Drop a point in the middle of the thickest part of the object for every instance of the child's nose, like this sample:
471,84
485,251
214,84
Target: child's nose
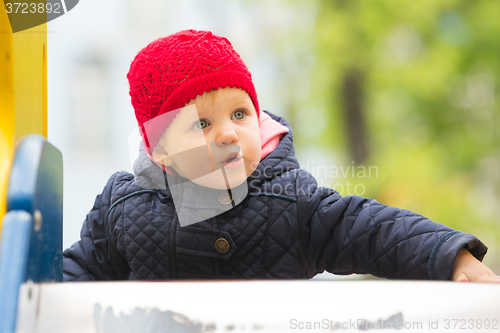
226,135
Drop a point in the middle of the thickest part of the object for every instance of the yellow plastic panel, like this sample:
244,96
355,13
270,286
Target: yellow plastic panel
29,46
23,91
7,104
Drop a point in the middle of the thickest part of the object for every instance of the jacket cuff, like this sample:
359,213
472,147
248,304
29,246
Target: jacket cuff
444,252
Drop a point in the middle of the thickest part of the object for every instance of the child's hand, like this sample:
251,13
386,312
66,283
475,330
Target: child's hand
466,268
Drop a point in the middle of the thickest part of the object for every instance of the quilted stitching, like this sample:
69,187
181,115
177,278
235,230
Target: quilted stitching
407,230
247,229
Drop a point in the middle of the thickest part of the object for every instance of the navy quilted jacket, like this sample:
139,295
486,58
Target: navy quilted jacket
290,230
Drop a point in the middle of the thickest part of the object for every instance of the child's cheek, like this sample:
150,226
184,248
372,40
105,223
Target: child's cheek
191,142
254,158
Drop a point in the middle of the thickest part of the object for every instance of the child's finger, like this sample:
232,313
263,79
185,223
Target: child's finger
461,277
489,279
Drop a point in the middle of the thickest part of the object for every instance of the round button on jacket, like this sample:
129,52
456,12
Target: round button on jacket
225,198
221,245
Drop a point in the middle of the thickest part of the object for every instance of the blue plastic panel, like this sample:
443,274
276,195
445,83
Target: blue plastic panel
35,186
16,233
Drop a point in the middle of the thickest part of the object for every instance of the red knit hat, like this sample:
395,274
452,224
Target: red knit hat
170,71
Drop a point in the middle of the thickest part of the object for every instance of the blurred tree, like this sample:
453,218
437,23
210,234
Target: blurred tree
424,72
412,89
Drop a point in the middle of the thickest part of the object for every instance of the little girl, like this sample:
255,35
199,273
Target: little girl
219,194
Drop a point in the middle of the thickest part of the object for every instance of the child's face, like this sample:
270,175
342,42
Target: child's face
203,139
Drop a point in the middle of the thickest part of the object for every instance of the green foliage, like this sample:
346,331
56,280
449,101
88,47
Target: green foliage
430,95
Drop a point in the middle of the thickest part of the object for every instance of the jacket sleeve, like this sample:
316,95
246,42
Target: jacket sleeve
95,256
352,234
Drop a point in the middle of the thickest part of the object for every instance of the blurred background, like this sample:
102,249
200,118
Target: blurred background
389,100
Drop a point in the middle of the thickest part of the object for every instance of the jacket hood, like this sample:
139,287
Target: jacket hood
148,175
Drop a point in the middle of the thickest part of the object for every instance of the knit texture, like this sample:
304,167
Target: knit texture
170,71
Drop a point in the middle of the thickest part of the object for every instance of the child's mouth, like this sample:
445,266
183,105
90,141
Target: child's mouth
233,161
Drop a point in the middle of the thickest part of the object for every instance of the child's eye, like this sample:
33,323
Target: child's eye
200,124
239,114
